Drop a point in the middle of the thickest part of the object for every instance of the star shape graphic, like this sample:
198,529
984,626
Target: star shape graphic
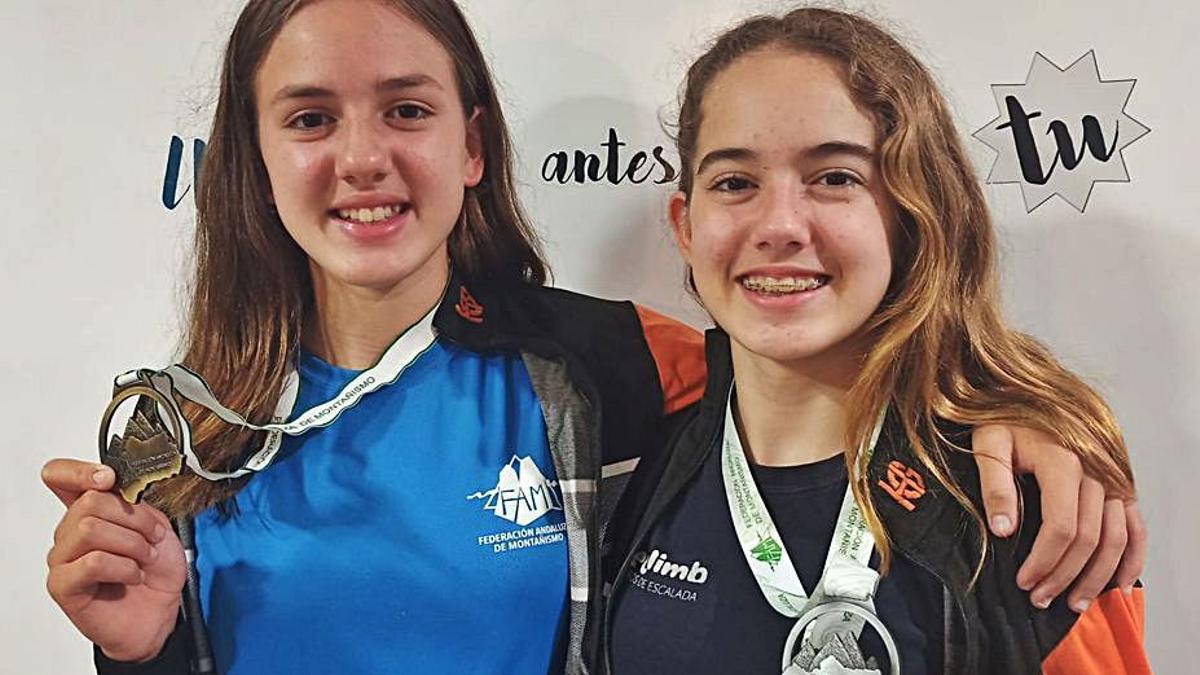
1064,98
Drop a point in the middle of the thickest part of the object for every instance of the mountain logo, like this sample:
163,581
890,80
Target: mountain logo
522,493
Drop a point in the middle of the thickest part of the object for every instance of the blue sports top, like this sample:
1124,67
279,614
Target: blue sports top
421,532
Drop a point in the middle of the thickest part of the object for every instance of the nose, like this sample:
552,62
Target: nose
786,221
363,161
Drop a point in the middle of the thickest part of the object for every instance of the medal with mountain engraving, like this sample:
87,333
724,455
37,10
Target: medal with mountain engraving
148,451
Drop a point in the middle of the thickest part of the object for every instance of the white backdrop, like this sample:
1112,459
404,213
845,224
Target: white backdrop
94,90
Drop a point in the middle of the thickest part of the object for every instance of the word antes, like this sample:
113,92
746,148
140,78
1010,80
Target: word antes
582,167
613,166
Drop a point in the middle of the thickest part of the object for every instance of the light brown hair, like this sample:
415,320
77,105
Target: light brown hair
251,289
941,350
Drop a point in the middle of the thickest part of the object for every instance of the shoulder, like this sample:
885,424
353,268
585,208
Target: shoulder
928,523
608,341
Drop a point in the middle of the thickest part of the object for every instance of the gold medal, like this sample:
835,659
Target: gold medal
148,451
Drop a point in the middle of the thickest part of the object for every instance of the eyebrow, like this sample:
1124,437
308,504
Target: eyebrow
732,154
841,148
383,86
827,149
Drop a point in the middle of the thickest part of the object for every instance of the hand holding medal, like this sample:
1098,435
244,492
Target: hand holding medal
116,569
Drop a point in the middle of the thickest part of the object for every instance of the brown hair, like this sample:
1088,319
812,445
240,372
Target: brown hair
251,287
940,351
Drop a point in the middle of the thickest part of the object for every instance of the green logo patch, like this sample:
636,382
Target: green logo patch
768,551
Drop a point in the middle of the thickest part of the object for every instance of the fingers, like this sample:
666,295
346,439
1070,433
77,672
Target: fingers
1099,570
1076,556
992,445
80,577
1061,482
106,506
68,479
1134,557
95,534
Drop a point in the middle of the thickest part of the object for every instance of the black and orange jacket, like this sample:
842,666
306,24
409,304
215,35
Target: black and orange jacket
992,627
610,378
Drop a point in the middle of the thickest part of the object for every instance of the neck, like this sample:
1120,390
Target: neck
790,414
353,325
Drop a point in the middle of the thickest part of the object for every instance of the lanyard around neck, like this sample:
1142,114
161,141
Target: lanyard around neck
180,380
847,572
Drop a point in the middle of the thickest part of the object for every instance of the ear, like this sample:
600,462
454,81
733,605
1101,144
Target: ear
473,168
681,224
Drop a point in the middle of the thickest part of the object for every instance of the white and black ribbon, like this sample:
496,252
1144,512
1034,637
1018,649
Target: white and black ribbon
847,579
179,380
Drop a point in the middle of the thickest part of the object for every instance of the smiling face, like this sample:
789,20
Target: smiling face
788,227
365,141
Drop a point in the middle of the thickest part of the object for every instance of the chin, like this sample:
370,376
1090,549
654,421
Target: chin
781,349
797,344
376,275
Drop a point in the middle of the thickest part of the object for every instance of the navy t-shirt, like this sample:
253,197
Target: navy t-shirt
716,619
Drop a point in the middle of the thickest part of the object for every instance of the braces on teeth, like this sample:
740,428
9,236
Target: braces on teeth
782,286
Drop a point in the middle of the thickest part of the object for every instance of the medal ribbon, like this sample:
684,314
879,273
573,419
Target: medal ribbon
178,379
847,575
846,565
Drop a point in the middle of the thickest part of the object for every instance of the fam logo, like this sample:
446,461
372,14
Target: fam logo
1061,132
522,493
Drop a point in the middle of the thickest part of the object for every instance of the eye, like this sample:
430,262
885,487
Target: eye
838,179
308,121
732,184
408,111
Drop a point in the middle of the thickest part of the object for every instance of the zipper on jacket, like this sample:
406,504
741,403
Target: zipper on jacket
959,611
646,524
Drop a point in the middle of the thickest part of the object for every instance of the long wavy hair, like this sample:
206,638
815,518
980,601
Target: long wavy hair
940,348
251,288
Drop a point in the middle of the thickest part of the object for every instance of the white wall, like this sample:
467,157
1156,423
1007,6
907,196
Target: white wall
91,267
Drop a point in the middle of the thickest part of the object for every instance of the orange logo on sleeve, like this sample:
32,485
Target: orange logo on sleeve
468,308
905,485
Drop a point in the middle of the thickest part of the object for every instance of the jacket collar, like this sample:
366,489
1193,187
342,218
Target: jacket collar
720,372
476,313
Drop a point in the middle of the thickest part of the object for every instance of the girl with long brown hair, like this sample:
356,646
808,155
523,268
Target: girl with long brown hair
357,226
358,231
835,232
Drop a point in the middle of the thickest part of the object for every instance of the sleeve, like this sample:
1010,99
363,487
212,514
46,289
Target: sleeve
172,660
678,352
1106,640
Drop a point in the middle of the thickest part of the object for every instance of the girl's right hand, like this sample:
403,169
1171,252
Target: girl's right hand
116,569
